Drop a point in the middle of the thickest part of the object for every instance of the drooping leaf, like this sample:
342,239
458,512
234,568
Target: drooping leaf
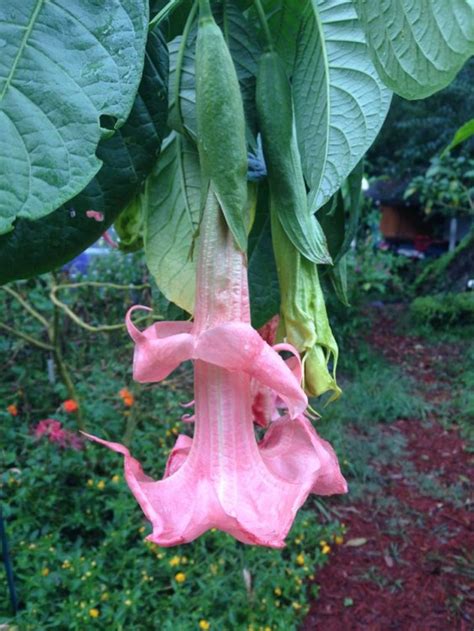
463,133
418,47
340,102
36,247
338,277
172,202
262,273
64,65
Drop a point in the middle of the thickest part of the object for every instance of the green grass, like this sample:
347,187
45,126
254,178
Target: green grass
376,393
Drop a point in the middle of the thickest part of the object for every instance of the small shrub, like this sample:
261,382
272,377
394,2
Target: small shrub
443,310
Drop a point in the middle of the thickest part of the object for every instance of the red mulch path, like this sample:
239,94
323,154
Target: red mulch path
414,573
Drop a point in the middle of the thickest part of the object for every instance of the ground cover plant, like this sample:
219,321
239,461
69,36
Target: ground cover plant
226,139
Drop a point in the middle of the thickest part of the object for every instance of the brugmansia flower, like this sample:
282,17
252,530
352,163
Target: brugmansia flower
222,478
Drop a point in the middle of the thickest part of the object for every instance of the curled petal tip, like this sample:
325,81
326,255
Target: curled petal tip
133,331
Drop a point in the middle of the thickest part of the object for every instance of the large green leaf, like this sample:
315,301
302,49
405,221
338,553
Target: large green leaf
172,203
245,52
340,102
418,47
64,64
35,247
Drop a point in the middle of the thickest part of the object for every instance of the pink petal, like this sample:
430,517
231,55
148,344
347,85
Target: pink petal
236,346
293,450
178,454
160,348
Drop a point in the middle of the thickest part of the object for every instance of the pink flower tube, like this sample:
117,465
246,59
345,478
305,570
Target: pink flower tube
222,478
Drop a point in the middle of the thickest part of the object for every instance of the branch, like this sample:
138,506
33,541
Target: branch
26,306
79,321
26,337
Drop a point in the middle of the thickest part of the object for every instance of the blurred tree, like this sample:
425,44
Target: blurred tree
415,131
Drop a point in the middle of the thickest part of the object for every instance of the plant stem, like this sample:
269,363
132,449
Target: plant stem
26,337
130,428
165,12
61,365
264,24
26,306
75,318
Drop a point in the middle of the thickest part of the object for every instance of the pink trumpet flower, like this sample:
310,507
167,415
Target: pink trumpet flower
222,478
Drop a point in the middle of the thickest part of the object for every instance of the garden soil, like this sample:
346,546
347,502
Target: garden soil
408,557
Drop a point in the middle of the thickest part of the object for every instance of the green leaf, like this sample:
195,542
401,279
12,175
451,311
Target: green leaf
340,216
262,273
340,103
332,219
418,47
352,195
338,276
64,65
36,247
172,200
245,50
463,133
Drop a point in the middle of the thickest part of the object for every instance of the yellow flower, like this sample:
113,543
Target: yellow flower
127,602
101,485
300,559
90,482
296,606
174,561
326,549
45,571
323,543
204,624
66,564
277,591
105,596
116,479
268,629
94,613
339,540
180,577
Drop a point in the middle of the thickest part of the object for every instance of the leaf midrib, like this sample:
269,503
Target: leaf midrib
22,47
